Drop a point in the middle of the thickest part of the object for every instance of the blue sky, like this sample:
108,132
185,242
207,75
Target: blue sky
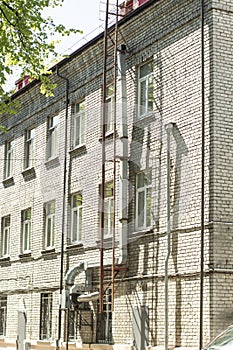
81,14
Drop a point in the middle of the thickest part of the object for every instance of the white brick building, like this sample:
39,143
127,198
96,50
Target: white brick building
51,189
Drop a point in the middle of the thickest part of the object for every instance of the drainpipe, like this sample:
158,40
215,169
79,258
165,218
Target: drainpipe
63,207
123,136
202,169
168,128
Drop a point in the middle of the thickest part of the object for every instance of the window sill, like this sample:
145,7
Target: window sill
145,118
107,242
9,181
45,342
78,149
48,251
5,258
25,255
141,232
74,245
108,135
52,162
29,173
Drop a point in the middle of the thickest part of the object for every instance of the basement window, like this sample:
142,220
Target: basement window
3,313
46,316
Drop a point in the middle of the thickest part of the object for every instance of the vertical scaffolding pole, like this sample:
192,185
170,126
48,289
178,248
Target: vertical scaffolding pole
109,54
114,154
103,160
169,128
202,169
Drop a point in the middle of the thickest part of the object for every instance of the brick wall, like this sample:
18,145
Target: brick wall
167,33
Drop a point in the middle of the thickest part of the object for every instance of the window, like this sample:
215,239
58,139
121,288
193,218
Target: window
49,224
108,209
145,89
104,319
6,221
46,316
26,230
9,159
29,148
79,124
74,325
3,314
109,115
143,199
76,218
53,136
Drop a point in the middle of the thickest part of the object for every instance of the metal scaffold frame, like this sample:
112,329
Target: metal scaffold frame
110,54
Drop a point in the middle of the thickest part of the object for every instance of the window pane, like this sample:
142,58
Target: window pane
141,206
147,178
148,207
140,180
80,223
75,225
76,220
150,94
79,123
3,315
46,316
142,97
146,69
109,189
29,151
5,235
9,159
109,107
53,137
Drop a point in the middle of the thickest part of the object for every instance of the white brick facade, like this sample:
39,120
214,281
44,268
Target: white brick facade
168,34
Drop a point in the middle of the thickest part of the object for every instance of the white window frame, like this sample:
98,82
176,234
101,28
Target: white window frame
46,316
26,230
49,225
6,228
109,108
3,312
74,325
53,123
29,148
146,189
9,159
108,210
144,107
79,124
76,219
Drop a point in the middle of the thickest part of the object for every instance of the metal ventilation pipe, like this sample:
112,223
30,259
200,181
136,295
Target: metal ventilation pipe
169,128
123,135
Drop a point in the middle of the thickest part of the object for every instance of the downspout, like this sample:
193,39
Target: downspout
63,207
169,128
202,169
123,180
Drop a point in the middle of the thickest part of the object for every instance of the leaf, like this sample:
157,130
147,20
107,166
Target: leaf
24,43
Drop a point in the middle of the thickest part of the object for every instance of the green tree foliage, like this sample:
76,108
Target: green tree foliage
27,42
